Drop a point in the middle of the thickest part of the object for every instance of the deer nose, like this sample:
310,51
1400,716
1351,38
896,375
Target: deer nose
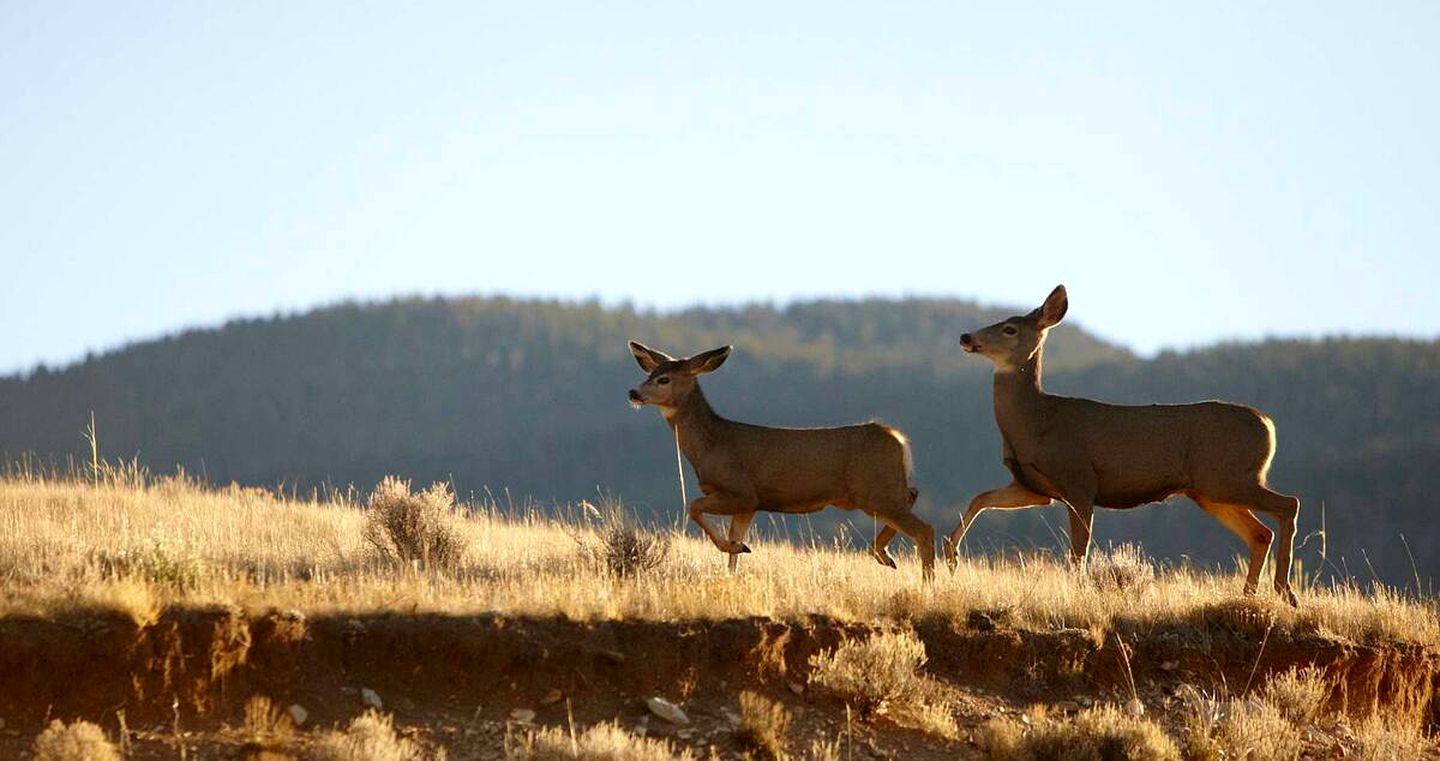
965,339
635,396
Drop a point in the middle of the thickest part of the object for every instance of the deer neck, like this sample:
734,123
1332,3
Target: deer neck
695,424
1020,405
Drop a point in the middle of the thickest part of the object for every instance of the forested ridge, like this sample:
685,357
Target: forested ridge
529,396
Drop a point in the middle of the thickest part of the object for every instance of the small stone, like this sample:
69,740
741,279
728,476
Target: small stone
666,710
1087,702
685,734
522,715
298,714
371,698
797,688
1169,665
1025,719
1135,708
551,697
731,718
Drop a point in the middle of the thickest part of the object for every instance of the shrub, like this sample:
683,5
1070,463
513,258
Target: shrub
1299,694
763,725
159,564
1382,740
622,549
370,737
77,741
414,528
266,727
880,675
1099,733
1257,730
602,742
1123,568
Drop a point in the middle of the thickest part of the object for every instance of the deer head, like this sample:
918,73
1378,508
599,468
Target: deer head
1014,341
671,381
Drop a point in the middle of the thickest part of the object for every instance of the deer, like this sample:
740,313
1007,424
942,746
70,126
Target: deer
1087,454
745,468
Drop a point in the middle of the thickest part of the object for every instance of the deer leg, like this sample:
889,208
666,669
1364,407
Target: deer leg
1082,516
739,524
720,504
1286,510
1244,524
878,548
1008,497
923,536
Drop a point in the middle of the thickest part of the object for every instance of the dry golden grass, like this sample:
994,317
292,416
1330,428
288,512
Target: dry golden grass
139,544
602,742
882,675
763,726
1100,733
370,737
76,741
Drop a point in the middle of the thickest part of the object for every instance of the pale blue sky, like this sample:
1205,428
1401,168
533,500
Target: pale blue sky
1192,174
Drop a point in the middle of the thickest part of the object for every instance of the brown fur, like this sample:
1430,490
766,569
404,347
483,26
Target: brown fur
745,468
1086,453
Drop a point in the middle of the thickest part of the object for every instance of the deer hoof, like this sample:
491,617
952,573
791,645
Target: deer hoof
744,548
1288,595
883,558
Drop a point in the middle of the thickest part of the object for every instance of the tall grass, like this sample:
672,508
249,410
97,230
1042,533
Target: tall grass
141,542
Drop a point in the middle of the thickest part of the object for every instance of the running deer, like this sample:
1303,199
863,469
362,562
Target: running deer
744,468
1084,453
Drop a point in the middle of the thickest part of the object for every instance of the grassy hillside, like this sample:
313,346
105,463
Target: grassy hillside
175,614
526,398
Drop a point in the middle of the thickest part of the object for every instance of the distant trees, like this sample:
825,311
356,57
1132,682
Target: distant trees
528,396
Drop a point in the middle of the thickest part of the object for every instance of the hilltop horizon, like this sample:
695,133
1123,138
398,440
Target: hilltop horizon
641,308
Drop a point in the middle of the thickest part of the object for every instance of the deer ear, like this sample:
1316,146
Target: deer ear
708,361
648,358
1053,310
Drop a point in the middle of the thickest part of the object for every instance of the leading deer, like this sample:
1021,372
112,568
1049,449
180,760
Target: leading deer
744,468
1084,453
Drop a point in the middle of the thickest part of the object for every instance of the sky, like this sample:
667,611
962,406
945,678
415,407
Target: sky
1191,174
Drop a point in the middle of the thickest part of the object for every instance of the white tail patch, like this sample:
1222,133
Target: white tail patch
905,455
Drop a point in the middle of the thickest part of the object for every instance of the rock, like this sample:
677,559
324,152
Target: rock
797,688
1135,708
685,734
1169,665
666,710
371,698
522,715
298,714
551,697
731,718
1087,702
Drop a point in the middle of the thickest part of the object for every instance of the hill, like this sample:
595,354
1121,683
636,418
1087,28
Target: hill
526,398
208,622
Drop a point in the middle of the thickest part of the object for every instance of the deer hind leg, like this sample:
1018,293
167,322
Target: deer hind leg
720,503
879,548
1008,497
1256,535
1286,511
739,524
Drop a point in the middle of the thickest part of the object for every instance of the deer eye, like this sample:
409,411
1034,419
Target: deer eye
1009,330
663,380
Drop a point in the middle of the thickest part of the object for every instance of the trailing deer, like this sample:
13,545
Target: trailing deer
1085,453
744,468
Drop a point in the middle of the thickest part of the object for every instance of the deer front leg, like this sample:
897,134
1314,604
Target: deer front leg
721,503
739,524
1007,497
1082,515
879,547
